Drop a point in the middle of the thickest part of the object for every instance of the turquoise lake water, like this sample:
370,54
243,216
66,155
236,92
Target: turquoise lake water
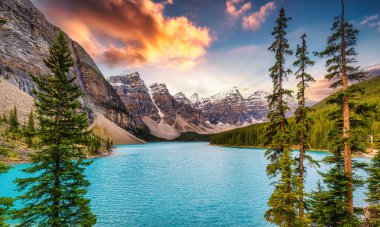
179,184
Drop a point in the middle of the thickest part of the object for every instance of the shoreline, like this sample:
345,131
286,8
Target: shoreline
370,154
27,160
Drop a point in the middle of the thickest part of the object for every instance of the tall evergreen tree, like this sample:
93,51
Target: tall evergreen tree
55,190
109,144
302,63
341,55
30,129
5,203
13,120
373,193
329,205
282,210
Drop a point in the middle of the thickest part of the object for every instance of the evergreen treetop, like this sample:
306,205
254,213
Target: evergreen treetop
333,53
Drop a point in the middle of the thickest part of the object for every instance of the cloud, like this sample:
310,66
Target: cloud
319,90
368,19
208,77
130,32
371,22
236,8
374,70
255,19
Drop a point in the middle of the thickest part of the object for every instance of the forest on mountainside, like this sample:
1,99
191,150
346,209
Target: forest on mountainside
253,135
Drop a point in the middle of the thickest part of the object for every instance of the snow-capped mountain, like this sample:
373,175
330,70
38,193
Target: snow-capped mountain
135,96
257,106
167,116
181,98
225,107
231,108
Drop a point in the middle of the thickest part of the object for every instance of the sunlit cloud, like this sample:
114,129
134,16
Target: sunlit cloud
130,32
255,19
236,8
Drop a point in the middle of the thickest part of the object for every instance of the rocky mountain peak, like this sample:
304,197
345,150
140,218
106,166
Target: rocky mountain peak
194,97
135,96
131,81
159,88
181,98
259,96
232,95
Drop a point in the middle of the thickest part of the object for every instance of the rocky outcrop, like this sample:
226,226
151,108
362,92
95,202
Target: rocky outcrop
135,96
25,40
170,107
227,108
232,109
181,98
165,116
257,105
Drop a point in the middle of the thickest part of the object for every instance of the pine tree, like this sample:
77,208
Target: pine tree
13,121
373,193
303,122
109,144
54,192
30,129
5,203
341,55
329,205
282,210
2,21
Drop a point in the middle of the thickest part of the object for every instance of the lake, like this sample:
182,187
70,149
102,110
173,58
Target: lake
180,184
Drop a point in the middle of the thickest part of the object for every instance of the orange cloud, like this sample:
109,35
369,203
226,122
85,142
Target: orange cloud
130,32
233,10
255,19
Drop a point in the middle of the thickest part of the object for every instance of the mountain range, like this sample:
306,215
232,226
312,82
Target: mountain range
122,102
167,115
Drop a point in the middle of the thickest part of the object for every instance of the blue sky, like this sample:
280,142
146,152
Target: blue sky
214,50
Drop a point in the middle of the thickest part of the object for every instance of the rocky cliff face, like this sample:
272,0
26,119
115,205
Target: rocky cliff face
135,95
25,40
165,116
232,109
170,107
257,105
181,98
227,108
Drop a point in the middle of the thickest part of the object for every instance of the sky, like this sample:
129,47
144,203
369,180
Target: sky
209,46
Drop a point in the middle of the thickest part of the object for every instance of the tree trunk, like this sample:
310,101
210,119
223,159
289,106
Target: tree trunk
56,196
346,120
302,150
